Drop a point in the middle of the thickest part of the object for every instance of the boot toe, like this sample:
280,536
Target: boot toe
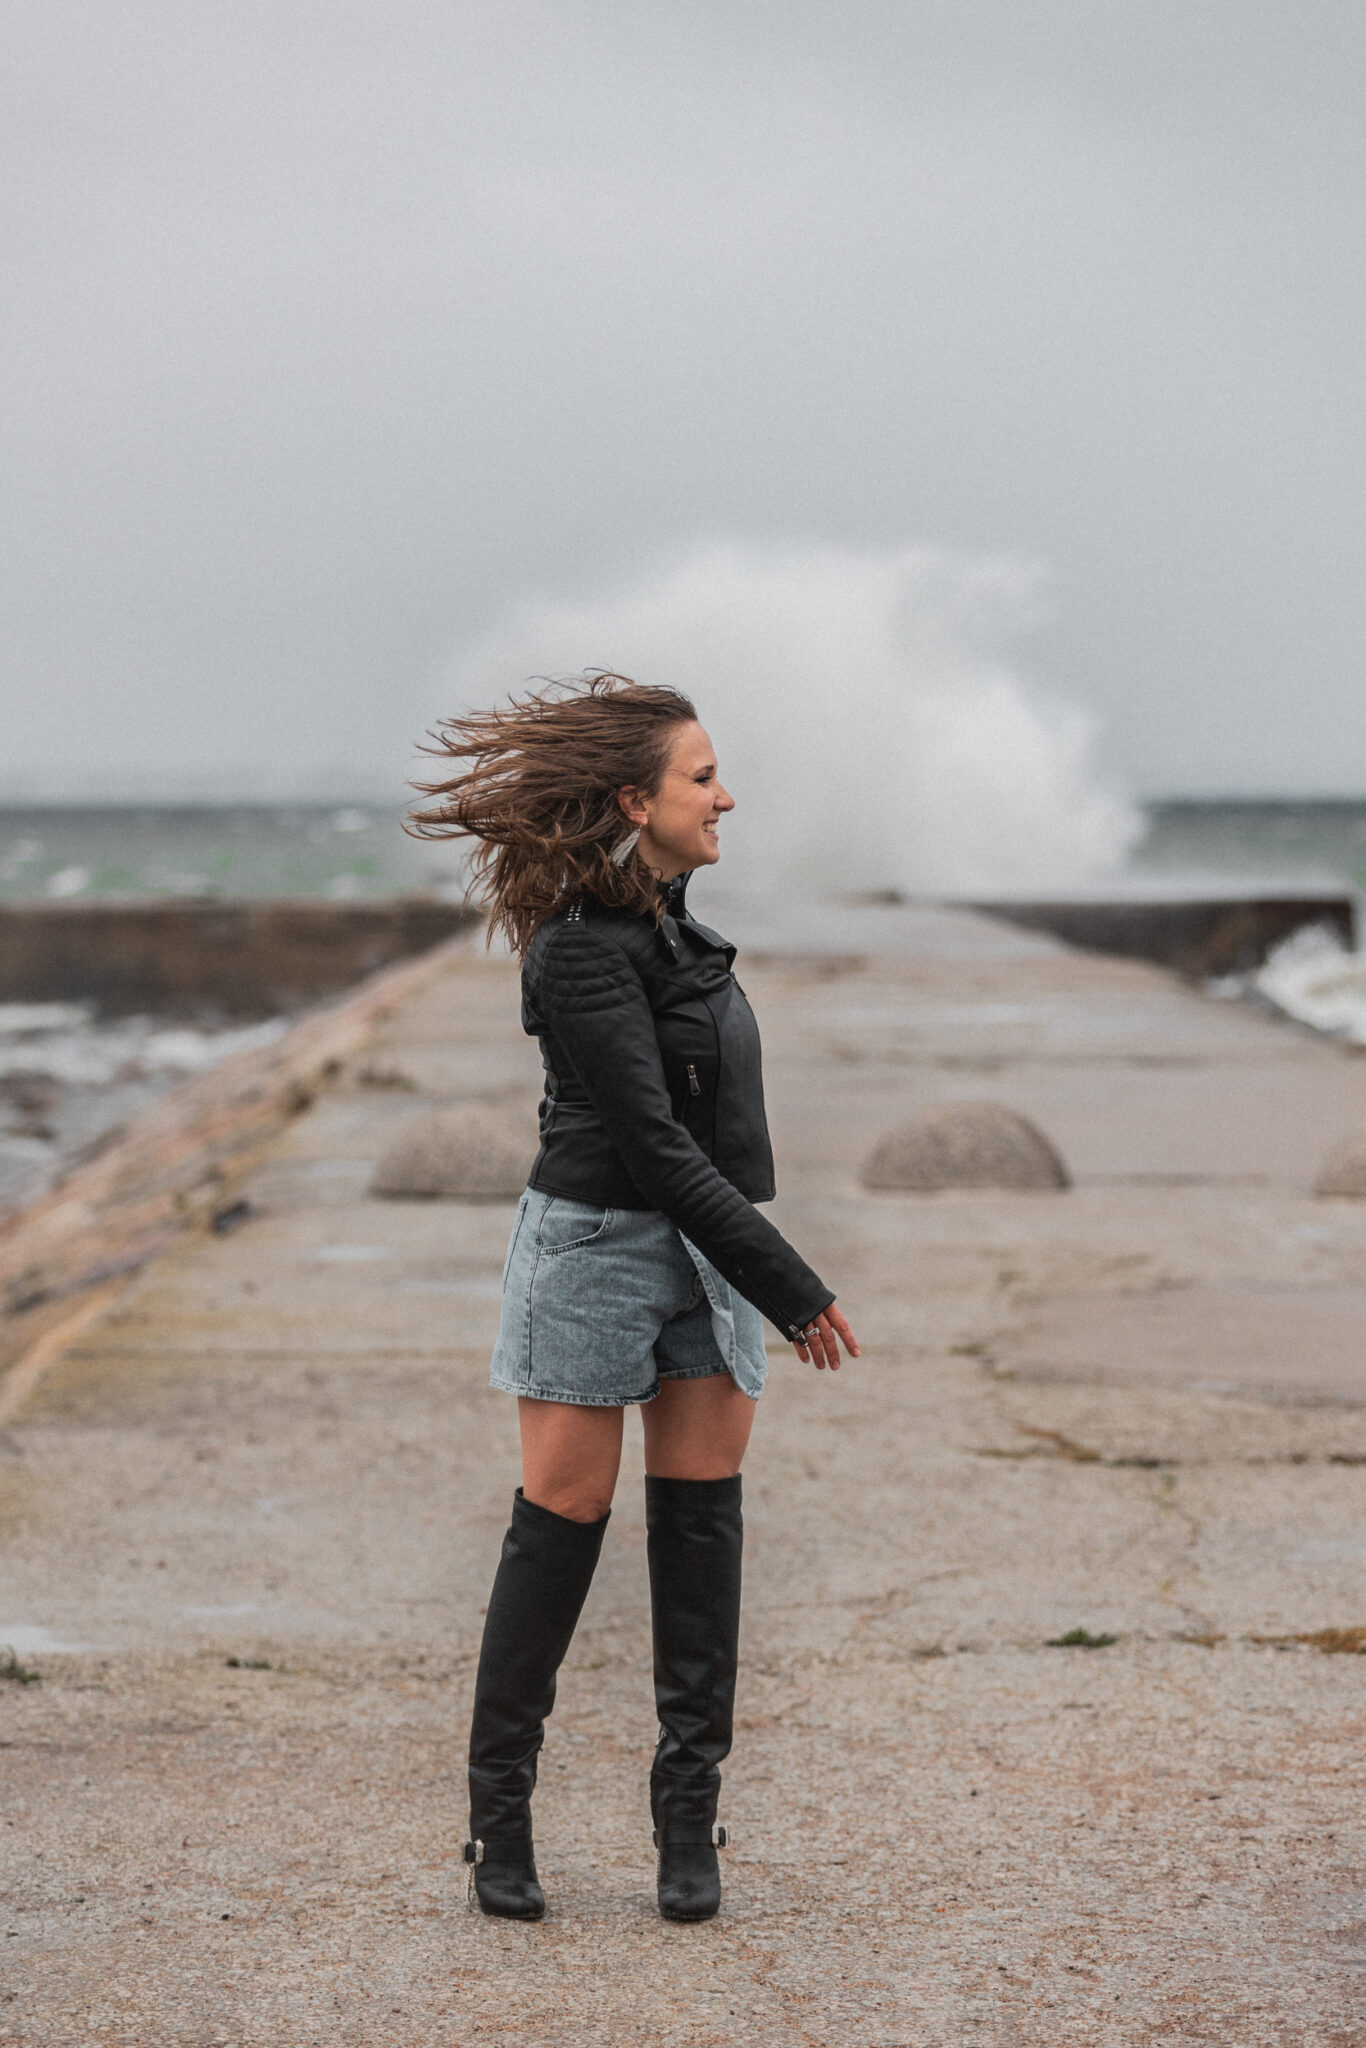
510,1891
689,1881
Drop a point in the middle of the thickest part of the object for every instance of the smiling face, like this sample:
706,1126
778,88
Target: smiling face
678,823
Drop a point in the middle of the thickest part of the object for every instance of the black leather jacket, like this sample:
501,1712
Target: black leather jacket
654,1091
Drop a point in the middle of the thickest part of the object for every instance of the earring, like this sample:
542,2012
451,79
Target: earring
622,853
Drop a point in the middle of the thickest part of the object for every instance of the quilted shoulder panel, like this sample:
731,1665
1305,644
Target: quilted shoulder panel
584,967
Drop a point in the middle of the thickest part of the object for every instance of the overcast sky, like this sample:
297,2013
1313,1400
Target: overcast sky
334,333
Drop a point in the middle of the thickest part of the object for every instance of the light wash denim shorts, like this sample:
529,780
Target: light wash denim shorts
600,1305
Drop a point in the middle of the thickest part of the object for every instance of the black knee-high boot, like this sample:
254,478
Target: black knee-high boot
538,1592
695,1538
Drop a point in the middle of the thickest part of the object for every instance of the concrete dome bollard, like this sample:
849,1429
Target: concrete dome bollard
1344,1170
471,1151
964,1145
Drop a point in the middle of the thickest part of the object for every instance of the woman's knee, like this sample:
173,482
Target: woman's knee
574,1501
698,1429
570,1457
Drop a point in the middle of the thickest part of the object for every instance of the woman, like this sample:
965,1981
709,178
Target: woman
639,1270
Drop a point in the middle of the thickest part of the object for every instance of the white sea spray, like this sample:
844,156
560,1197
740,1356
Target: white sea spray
1312,976
866,716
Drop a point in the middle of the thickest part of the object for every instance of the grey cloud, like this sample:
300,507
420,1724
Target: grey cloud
335,331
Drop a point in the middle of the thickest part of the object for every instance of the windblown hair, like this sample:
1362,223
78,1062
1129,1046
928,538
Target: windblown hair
539,796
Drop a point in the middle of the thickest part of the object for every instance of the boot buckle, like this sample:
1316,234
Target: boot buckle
719,1838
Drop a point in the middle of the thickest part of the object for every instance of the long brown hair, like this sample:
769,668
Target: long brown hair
539,795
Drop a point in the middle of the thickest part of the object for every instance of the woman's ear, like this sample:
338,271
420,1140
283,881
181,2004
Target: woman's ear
632,808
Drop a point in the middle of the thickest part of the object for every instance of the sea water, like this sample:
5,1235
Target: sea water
68,1078
342,852
359,850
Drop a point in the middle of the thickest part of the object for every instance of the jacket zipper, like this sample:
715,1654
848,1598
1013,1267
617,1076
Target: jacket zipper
694,1085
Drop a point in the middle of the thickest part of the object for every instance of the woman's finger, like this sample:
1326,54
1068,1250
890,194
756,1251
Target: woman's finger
840,1323
809,1349
821,1347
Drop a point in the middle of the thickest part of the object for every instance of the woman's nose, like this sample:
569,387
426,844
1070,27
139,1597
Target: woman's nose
723,799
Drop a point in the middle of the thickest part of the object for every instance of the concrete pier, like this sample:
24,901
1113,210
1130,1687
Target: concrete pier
249,1518
199,958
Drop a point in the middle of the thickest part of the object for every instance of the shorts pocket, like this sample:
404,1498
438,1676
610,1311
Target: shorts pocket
564,1225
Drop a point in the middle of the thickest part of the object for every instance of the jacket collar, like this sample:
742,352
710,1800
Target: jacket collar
677,914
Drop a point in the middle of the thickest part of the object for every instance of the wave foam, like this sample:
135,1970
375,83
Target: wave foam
872,733
1312,976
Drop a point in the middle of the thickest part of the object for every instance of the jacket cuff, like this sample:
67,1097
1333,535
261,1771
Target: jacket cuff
791,1326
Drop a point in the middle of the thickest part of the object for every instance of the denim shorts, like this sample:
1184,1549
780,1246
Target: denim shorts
600,1305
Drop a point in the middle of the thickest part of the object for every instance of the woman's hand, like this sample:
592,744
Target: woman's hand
820,1341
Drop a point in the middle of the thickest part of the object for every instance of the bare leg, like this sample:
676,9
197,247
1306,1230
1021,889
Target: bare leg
697,1429
570,1457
